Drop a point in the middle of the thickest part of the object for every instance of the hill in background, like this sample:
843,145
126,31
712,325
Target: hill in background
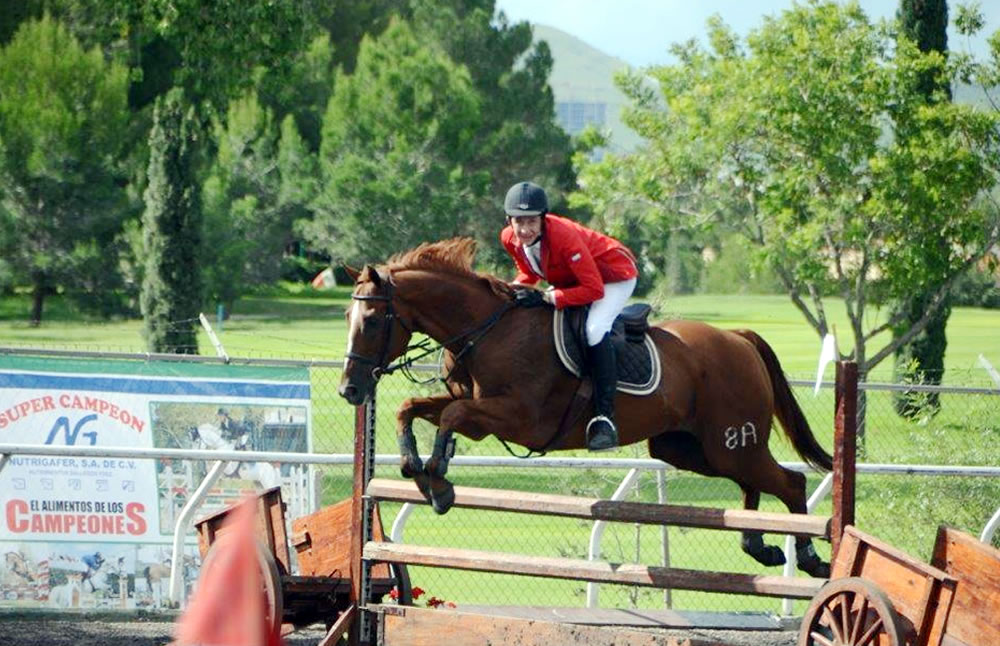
583,85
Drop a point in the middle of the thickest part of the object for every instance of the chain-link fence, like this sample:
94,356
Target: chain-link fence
962,427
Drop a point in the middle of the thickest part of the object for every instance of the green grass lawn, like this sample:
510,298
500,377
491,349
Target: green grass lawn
306,324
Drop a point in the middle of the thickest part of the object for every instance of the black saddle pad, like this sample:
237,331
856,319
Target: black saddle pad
639,368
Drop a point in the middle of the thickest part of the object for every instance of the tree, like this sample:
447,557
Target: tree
925,23
256,188
396,136
792,139
15,13
62,110
519,138
172,224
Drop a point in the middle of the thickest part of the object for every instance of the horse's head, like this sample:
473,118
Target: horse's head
376,334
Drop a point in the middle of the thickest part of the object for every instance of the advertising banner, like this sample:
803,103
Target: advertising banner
96,532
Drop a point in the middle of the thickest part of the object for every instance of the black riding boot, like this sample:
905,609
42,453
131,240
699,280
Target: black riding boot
601,432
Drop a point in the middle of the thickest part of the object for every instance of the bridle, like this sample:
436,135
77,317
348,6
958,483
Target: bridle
426,347
379,365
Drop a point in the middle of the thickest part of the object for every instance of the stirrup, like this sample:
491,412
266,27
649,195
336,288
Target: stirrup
604,436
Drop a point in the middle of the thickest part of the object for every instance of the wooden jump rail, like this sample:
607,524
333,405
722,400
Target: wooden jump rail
598,571
611,510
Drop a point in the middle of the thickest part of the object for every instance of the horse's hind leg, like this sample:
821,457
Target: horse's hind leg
753,541
790,487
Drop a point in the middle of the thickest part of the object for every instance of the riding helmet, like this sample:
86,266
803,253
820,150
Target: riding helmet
525,198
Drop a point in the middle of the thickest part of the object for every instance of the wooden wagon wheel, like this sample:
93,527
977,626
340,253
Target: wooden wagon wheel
851,612
270,578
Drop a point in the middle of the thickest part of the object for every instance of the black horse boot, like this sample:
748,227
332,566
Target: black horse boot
601,432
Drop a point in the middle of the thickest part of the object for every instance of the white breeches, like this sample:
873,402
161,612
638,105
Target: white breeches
603,311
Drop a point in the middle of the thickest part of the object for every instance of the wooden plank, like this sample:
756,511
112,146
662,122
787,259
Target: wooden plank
274,507
637,617
322,541
847,553
413,626
975,611
597,571
610,510
269,527
845,444
339,627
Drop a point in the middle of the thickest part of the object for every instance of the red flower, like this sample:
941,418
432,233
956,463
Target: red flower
434,602
394,594
417,592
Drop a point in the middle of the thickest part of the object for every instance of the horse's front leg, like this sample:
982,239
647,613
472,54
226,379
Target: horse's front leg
474,418
428,408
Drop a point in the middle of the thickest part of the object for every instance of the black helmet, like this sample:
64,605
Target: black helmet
525,198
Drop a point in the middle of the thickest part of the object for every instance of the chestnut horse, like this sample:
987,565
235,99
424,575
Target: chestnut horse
711,413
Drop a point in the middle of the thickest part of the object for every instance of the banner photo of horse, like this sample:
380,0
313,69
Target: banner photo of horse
225,426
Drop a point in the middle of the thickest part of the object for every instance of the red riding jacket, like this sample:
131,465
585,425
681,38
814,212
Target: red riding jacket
577,261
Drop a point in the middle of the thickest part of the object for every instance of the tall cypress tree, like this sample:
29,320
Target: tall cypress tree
925,22
171,289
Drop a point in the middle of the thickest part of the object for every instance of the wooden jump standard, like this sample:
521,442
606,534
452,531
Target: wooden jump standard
399,625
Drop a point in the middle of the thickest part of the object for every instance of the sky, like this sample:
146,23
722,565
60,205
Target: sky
640,31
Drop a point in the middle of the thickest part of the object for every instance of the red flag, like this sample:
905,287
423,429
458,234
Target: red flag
229,607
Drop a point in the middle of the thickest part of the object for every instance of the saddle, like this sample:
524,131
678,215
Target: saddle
638,361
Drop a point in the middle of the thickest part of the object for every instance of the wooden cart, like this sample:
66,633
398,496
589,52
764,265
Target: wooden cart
880,596
320,592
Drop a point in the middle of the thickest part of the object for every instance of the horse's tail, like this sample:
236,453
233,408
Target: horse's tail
787,409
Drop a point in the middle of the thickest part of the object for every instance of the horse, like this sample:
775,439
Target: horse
209,436
68,594
711,413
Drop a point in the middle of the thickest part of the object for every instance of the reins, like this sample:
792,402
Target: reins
425,346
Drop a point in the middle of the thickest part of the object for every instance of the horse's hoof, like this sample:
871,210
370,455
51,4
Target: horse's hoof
443,497
809,561
753,544
771,555
815,567
423,482
410,467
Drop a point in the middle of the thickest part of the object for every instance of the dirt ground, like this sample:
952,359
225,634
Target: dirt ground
43,631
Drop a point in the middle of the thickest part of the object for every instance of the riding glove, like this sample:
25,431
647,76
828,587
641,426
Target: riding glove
529,298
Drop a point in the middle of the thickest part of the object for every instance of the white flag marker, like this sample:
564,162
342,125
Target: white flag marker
826,354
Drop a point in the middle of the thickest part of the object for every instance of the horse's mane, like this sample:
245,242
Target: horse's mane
452,256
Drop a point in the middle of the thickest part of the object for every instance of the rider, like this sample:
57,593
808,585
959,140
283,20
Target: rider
583,267
93,562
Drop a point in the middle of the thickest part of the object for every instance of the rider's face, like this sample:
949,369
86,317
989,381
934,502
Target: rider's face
527,228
